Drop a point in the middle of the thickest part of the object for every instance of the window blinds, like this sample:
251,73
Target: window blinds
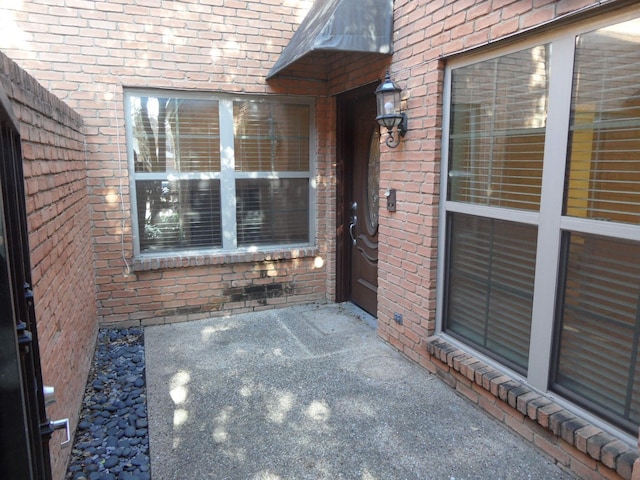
490,286
272,211
179,214
599,307
600,329
496,135
271,137
497,132
175,135
604,157
196,126
187,198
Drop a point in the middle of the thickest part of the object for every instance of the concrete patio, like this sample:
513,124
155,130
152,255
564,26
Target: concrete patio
310,392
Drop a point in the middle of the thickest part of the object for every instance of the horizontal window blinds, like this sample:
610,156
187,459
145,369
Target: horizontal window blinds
497,130
179,214
188,199
271,137
490,286
175,135
604,172
272,211
587,302
196,125
598,360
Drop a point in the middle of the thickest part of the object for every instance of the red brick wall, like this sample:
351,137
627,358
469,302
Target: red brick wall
426,31
87,52
60,242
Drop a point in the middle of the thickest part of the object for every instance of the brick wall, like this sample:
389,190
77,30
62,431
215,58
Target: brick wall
577,446
59,238
425,33
87,52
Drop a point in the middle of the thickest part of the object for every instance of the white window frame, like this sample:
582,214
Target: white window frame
227,175
549,220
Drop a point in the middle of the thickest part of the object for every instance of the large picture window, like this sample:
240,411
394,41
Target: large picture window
219,173
541,252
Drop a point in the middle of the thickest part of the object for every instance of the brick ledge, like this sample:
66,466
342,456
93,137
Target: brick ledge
586,438
147,263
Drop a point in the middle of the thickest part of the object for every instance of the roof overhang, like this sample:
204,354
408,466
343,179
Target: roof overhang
341,25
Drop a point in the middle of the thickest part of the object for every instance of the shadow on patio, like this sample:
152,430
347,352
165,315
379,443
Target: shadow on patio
311,392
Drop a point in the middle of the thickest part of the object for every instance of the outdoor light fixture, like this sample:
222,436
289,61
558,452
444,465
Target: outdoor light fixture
389,114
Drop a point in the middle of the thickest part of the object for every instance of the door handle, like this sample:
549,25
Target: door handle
50,398
59,425
353,222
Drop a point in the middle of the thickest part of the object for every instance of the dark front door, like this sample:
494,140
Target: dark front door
24,428
359,146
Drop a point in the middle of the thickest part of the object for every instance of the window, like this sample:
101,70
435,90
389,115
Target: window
498,130
598,359
496,145
541,265
599,298
491,267
219,173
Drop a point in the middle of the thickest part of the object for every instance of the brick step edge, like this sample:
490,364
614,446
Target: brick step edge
478,382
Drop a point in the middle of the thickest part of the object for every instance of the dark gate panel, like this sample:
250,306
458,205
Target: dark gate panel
25,430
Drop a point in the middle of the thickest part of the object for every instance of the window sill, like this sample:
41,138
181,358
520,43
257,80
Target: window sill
145,263
468,375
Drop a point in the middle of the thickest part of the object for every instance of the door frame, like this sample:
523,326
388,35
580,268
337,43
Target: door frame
344,177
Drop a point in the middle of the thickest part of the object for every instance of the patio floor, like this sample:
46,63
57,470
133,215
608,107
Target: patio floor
310,392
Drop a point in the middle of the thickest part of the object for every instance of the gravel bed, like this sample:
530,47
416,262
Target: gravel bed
112,440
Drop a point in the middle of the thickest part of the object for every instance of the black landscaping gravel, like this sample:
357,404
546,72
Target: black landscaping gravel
112,439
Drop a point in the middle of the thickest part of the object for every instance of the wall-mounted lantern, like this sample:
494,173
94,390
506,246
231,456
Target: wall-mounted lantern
389,111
